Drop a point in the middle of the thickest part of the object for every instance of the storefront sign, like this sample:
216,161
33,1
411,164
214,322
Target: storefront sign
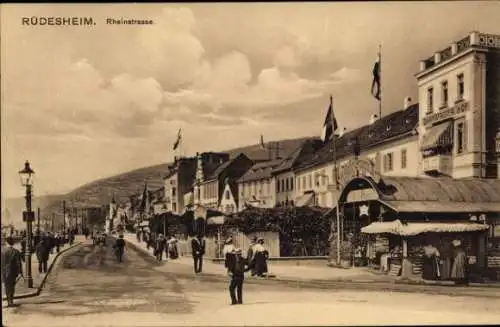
447,113
357,168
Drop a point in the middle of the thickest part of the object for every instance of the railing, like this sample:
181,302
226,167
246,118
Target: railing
439,163
489,40
429,62
445,54
463,44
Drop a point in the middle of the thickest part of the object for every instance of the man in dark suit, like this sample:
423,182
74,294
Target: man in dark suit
236,269
42,251
198,250
11,269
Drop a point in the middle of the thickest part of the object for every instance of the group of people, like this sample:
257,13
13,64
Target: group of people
236,265
453,265
169,246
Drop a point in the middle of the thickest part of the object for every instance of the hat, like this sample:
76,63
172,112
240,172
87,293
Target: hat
456,242
237,251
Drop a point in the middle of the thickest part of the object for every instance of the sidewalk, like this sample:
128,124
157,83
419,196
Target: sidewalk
22,289
282,271
318,275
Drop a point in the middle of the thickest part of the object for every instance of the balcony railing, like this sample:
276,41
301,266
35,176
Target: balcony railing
437,164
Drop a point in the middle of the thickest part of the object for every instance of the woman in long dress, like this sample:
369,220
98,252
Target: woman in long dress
430,268
260,258
459,266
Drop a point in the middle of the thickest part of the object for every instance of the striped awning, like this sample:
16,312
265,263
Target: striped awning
411,229
439,135
305,200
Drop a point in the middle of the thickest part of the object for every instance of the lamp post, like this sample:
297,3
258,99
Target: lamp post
28,216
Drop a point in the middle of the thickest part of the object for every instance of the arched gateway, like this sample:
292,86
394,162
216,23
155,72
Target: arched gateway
387,221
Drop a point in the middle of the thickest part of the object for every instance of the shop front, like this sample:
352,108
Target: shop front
416,227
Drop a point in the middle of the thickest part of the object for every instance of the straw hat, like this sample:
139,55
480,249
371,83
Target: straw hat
456,242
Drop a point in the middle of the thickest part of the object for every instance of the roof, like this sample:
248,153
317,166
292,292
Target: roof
260,170
388,127
440,189
303,152
412,229
222,167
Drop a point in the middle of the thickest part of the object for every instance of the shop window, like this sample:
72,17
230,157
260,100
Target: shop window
460,87
444,94
388,162
403,159
461,137
430,100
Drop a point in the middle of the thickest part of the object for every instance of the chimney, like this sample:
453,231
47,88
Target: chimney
407,102
373,119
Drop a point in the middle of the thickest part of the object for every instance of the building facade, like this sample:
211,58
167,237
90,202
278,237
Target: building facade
459,96
389,146
257,187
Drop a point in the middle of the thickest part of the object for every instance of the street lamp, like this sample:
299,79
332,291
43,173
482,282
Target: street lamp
27,175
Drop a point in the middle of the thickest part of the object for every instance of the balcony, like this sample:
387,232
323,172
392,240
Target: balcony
439,164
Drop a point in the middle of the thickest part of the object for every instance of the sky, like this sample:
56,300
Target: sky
83,103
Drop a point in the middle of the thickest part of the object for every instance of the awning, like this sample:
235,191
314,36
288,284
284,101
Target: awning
439,135
439,206
217,220
305,200
410,229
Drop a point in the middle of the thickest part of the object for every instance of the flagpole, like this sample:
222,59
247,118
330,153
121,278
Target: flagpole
335,176
380,83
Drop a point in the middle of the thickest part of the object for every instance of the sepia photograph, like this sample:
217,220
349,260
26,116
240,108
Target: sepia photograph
250,164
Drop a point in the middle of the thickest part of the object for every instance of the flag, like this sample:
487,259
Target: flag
376,78
262,145
330,125
178,141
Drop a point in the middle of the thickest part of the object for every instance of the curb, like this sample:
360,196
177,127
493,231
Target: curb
42,284
390,285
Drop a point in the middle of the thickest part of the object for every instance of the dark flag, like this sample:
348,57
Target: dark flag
262,145
376,79
179,138
330,125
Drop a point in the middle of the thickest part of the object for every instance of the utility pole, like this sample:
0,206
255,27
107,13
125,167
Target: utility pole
64,216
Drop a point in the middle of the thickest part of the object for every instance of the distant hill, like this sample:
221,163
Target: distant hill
122,186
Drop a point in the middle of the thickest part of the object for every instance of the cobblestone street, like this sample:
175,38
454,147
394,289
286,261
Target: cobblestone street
90,288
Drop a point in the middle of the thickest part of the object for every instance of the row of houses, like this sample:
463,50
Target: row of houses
434,159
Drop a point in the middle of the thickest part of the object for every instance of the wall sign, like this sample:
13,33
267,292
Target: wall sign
357,168
447,113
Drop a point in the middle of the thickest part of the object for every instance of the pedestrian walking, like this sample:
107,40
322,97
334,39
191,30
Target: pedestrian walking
237,266
260,258
227,251
459,268
173,252
159,247
138,235
430,267
198,250
250,255
11,269
58,241
119,248
42,251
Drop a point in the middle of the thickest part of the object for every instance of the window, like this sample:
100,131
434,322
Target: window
430,100
227,195
291,183
461,137
388,162
287,187
444,94
278,186
174,191
298,183
403,159
460,87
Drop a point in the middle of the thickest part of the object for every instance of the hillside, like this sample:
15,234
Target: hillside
100,192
